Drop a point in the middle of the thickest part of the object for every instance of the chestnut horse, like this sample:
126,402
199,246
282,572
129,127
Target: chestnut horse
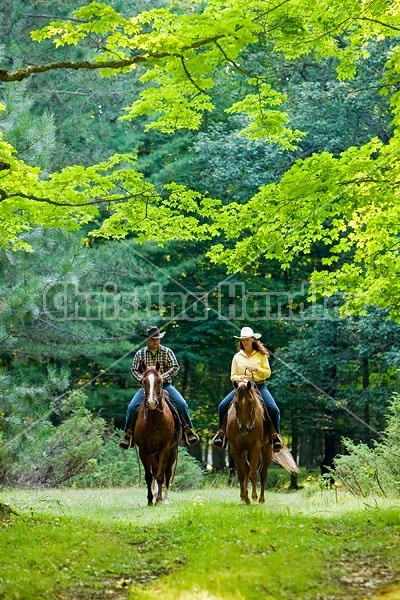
155,435
245,433
250,448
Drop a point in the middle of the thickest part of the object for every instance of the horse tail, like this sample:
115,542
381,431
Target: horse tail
285,460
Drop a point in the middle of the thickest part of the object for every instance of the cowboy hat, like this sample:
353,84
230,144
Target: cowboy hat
153,333
247,332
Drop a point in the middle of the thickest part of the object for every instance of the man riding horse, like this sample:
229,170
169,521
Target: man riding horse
150,355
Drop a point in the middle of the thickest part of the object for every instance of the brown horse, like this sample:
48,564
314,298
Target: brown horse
250,448
245,433
155,435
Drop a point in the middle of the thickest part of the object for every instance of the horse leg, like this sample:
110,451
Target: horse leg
242,473
266,456
246,477
168,471
253,469
149,482
160,477
148,475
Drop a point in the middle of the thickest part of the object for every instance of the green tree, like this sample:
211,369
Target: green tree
336,377
339,201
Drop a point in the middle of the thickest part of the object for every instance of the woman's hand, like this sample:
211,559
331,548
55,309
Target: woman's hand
251,368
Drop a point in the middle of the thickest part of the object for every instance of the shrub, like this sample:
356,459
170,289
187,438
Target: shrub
114,467
189,473
365,471
66,450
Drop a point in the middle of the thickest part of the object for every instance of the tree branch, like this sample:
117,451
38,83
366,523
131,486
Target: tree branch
53,18
188,75
233,63
380,23
80,64
368,180
21,74
5,196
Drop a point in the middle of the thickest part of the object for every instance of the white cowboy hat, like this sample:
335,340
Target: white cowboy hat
247,332
153,332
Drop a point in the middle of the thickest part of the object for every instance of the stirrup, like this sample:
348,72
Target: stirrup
126,441
191,437
219,439
277,442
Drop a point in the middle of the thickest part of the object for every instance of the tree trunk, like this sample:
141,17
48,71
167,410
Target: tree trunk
185,377
218,459
331,444
331,435
367,403
196,452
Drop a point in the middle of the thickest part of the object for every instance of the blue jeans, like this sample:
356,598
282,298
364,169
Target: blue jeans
269,402
176,397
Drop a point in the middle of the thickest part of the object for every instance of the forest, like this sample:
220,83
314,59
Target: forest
198,166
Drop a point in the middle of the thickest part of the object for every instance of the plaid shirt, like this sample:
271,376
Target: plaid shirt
168,364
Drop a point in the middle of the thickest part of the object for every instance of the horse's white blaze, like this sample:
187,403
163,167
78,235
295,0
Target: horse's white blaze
151,401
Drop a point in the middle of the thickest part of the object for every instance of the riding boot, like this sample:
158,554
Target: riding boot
219,439
127,441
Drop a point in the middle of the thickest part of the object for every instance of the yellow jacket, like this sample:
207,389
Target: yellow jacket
240,361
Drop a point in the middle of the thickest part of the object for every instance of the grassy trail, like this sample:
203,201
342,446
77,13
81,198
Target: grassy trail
89,544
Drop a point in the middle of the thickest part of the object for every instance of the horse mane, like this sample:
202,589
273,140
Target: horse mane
243,387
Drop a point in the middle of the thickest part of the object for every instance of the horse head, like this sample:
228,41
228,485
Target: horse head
152,382
245,402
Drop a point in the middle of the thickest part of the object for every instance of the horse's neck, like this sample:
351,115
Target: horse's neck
258,400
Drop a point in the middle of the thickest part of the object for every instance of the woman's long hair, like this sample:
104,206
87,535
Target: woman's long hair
257,346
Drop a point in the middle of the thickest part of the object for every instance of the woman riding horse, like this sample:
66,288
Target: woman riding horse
251,361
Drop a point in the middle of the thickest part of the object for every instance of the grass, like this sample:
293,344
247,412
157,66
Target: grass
87,544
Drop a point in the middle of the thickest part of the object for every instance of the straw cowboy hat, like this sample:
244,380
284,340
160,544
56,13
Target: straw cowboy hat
153,333
247,332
